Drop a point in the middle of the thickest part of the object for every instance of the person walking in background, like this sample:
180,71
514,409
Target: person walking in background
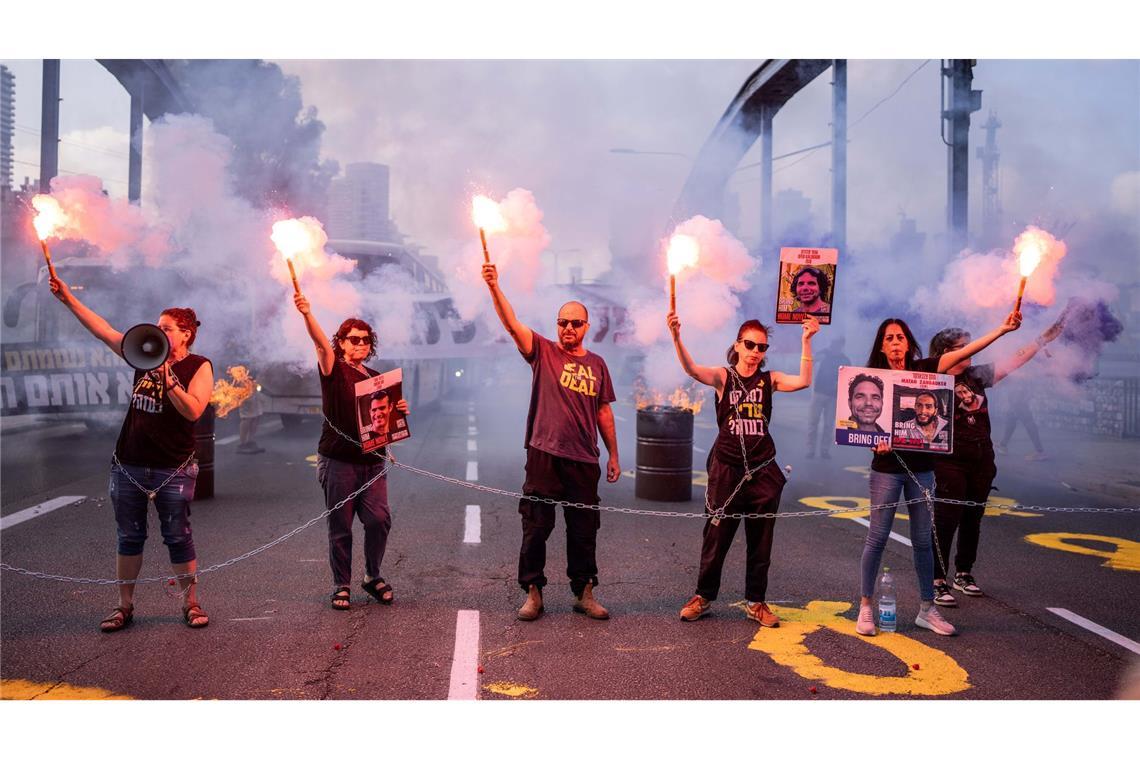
823,397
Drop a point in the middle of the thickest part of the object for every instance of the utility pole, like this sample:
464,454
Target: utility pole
839,155
957,105
49,126
991,188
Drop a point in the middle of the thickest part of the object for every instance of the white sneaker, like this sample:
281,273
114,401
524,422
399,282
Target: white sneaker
932,620
865,626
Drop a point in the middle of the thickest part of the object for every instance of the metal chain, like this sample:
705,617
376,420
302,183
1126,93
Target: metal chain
928,497
390,461
211,568
150,495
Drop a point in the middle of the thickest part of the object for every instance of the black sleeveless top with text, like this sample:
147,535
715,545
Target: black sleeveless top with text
154,433
744,409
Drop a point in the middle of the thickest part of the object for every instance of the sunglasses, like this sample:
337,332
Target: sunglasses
754,346
356,340
575,323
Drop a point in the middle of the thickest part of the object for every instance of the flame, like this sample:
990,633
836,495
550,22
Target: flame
1030,248
228,396
683,253
294,236
49,216
487,215
689,396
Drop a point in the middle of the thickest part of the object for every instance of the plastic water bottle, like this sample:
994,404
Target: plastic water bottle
887,609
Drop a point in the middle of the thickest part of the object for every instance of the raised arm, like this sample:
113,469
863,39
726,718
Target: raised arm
94,323
714,376
1024,354
609,437
522,335
783,382
190,401
950,358
325,356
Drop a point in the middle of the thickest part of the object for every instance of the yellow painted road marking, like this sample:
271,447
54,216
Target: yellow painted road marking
1126,556
512,690
998,507
937,672
16,688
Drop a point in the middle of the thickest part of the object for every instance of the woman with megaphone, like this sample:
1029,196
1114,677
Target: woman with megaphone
154,456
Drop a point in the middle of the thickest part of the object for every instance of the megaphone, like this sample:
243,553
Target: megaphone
145,347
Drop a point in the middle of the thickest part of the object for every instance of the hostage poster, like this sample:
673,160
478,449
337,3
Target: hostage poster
380,422
912,410
806,284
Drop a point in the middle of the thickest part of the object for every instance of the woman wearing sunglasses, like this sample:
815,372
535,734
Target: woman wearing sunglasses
342,465
743,475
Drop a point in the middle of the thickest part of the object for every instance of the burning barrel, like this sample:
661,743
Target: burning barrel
204,452
664,453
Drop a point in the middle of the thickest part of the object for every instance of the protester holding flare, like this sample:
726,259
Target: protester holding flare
571,393
342,466
743,475
154,455
967,473
909,474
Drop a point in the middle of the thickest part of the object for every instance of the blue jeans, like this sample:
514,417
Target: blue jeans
886,487
172,504
339,479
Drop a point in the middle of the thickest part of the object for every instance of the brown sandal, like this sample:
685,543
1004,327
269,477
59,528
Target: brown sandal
194,617
341,597
119,619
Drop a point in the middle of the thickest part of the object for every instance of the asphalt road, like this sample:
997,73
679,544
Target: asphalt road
273,635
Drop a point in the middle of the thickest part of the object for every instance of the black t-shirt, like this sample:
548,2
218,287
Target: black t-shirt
744,409
917,461
154,433
338,400
972,429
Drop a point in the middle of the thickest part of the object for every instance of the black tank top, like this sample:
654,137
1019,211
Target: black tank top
745,407
154,433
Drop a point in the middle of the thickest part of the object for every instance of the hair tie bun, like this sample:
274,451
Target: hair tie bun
197,323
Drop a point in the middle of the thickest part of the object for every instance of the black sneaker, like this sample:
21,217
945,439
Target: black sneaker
942,595
964,582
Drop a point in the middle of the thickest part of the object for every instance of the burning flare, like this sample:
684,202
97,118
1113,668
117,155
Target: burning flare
1030,248
683,253
486,214
50,216
228,396
294,237
49,219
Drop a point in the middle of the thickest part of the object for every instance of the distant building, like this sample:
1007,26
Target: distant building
792,217
7,126
358,204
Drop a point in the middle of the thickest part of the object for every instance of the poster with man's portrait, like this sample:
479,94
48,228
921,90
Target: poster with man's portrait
379,420
911,410
806,285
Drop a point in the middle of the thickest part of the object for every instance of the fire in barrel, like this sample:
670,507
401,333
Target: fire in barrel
665,443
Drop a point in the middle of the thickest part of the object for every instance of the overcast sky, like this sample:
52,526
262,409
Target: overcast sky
1070,138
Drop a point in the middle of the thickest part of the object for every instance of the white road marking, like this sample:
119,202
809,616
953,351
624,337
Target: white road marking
227,440
472,471
698,448
465,661
312,560
1096,628
471,445
619,418
901,539
471,418
472,525
471,430
40,509
245,620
